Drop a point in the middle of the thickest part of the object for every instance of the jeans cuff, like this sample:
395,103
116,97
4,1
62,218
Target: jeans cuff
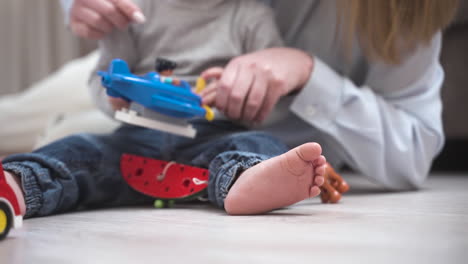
32,193
224,171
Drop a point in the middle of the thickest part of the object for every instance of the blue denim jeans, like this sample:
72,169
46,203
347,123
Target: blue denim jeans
84,170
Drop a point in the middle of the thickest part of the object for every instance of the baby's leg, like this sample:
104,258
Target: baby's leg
81,171
248,153
278,182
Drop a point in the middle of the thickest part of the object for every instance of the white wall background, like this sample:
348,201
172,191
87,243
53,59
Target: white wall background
33,42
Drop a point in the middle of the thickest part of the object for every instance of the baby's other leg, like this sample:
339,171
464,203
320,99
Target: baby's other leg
81,171
278,182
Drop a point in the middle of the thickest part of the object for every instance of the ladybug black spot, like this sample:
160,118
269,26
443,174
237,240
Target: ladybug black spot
139,172
204,173
167,189
186,183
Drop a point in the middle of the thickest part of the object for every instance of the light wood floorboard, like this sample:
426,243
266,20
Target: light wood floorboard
368,226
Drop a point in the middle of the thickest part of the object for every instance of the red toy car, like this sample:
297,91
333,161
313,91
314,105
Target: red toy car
10,215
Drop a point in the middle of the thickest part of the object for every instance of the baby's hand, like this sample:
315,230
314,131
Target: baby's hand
118,103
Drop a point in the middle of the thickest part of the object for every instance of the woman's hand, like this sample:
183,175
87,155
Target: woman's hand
250,85
93,19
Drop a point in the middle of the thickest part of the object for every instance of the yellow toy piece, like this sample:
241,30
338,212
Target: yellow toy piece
209,113
3,221
200,85
5,225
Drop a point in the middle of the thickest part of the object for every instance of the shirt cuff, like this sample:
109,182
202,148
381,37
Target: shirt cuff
319,101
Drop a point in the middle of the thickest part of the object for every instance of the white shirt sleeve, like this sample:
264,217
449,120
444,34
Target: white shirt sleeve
390,128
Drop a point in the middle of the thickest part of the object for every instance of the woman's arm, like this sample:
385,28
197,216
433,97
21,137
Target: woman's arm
243,81
390,129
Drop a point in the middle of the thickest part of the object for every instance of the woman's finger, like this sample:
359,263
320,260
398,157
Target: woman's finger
240,91
92,19
110,12
271,98
209,99
208,94
212,73
85,31
257,93
212,86
130,10
226,84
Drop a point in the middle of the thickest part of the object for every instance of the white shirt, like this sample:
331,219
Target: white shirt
385,121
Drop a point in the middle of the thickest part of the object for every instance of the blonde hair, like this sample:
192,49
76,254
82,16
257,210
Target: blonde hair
388,28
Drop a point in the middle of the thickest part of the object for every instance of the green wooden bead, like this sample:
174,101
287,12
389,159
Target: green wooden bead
170,203
159,203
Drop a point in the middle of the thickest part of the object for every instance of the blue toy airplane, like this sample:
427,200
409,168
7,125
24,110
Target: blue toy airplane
155,104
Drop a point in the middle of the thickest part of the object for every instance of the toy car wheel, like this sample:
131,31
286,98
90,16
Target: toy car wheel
5,220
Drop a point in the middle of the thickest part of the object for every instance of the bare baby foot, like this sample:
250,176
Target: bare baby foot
278,182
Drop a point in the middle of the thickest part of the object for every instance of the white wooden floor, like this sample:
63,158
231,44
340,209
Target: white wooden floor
369,226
